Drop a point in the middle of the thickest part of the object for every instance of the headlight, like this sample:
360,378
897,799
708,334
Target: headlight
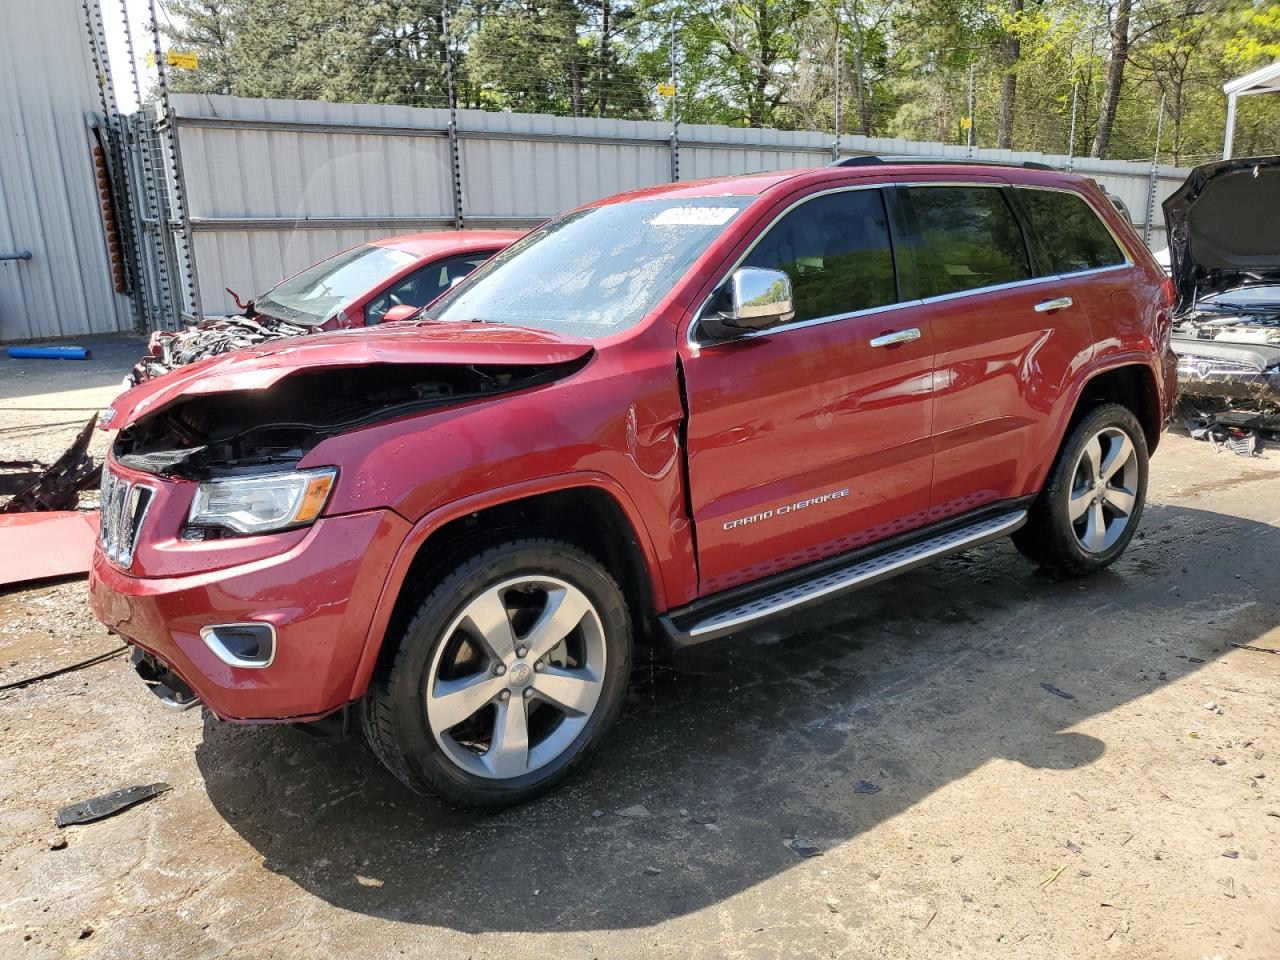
264,503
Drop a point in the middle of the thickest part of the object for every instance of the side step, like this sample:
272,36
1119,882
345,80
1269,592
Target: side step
854,576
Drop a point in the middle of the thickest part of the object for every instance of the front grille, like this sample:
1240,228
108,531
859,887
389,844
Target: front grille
1191,365
124,508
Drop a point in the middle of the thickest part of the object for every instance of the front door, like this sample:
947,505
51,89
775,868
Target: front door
808,439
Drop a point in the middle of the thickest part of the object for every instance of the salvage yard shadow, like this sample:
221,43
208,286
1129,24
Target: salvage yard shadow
821,729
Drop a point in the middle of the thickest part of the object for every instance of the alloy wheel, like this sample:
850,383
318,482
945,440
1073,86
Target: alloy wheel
1104,490
517,677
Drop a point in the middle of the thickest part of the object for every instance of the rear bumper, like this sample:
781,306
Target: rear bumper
319,595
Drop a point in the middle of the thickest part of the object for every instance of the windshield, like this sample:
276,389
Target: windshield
594,272
317,293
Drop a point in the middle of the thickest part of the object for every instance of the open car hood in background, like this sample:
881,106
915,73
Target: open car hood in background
1224,227
261,366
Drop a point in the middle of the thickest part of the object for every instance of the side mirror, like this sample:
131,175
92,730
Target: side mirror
758,298
401,311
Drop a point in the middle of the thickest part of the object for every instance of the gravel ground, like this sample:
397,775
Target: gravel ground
982,760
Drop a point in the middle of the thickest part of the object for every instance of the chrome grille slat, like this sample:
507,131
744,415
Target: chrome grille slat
124,508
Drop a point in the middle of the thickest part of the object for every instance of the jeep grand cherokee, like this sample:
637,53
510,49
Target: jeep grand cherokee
671,414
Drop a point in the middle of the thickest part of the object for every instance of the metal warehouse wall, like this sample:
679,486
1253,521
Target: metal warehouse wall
275,185
49,201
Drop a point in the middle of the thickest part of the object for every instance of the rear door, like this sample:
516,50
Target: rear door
806,440
1008,334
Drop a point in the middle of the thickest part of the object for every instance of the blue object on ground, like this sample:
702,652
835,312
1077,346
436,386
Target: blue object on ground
49,353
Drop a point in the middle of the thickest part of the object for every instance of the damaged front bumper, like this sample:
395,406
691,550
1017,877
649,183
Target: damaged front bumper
1229,393
1244,387
318,598
1239,375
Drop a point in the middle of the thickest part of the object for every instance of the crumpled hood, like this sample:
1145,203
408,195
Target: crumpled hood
1224,227
259,367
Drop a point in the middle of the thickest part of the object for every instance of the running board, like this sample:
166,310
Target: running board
856,575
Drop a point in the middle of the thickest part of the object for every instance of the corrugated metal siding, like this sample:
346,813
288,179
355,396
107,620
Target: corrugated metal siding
275,185
49,201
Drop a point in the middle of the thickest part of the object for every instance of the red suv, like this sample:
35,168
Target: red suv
668,415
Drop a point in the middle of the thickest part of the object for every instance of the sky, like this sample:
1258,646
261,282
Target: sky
117,50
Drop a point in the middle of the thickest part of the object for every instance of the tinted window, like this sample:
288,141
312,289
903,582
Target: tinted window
1069,233
592,272
422,286
970,239
836,250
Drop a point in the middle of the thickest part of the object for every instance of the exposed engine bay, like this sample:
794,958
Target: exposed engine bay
238,432
168,349
1229,375
1224,261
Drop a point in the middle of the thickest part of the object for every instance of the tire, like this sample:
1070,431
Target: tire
1106,514
479,639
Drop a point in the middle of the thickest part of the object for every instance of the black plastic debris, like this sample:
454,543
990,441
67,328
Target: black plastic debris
806,848
1058,693
866,786
58,486
107,805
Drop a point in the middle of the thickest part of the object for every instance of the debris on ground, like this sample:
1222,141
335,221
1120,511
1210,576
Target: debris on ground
1249,646
866,787
702,819
1211,706
651,871
806,848
59,486
1056,692
50,353
1241,432
636,811
1231,854
59,671
1052,877
107,805
46,545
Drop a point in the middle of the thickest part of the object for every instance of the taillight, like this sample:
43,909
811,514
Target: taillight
1170,295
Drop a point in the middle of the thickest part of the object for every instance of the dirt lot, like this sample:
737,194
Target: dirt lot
990,762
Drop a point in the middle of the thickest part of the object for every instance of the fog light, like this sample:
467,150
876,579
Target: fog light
248,645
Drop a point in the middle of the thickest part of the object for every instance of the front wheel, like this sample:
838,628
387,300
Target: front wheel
506,679
1092,502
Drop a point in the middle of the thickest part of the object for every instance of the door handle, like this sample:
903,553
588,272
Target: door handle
898,336
1048,306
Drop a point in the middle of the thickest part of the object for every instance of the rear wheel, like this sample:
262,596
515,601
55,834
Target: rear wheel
1090,507
506,679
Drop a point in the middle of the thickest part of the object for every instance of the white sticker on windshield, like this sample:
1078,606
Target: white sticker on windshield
694,217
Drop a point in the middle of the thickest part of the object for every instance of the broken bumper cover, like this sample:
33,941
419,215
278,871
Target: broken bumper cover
319,597
1247,376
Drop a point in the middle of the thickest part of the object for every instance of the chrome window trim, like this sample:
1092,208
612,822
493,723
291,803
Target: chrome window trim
1124,251
691,333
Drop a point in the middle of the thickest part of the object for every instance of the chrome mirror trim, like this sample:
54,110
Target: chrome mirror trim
758,298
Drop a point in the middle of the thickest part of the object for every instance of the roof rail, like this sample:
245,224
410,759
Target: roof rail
879,160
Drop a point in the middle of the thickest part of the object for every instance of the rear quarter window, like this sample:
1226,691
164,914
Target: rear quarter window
1069,236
